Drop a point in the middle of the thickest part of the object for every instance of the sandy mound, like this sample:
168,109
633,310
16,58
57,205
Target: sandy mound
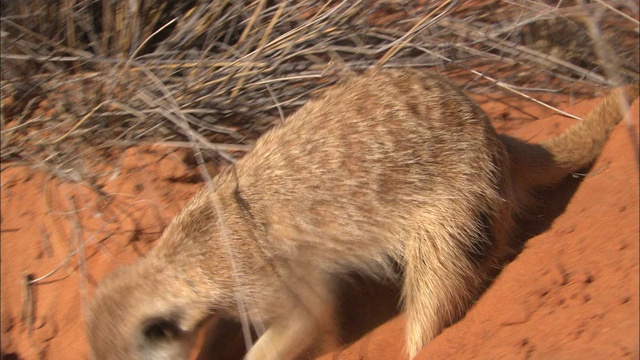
573,291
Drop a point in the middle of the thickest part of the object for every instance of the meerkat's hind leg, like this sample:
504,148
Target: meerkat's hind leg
311,318
441,279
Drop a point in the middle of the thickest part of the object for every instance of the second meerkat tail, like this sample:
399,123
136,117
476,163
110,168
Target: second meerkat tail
548,162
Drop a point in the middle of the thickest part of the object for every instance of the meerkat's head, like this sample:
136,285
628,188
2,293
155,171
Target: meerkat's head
153,308
144,311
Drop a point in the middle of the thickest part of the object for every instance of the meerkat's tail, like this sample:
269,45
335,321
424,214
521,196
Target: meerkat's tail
547,163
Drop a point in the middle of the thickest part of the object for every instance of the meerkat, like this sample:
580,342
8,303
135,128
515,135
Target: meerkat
390,167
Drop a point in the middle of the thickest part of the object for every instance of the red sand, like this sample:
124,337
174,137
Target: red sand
571,294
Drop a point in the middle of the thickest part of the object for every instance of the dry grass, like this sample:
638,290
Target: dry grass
80,78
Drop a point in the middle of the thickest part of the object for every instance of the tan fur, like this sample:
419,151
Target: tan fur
392,166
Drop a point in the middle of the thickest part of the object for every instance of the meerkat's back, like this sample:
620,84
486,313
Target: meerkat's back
349,173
